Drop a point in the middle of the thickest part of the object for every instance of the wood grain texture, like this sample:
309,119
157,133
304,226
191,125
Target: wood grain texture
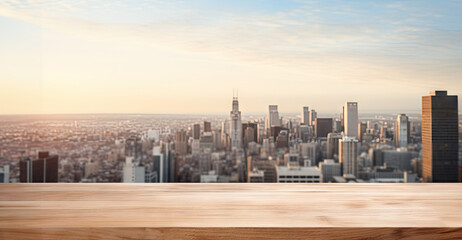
210,211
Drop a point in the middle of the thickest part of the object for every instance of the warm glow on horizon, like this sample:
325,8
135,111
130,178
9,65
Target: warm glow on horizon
187,57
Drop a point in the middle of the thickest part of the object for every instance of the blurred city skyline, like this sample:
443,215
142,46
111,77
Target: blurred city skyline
175,57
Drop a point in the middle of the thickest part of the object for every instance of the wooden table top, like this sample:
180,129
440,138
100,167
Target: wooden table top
37,207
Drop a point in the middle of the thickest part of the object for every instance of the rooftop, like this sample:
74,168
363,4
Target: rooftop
439,93
296,170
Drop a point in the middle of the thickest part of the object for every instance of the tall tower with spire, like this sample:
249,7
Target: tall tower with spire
235,126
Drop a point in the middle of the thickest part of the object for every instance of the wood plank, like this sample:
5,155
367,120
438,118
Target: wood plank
175,210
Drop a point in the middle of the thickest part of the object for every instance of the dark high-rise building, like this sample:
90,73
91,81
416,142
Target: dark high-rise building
323,126
305,116
157,162
43,169
196,131
361,130
274,132
171,165
249,136
440,136
207,126
376,157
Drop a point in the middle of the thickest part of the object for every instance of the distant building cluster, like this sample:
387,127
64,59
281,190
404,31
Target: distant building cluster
305,148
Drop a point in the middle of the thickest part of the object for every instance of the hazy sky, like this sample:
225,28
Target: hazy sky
159,56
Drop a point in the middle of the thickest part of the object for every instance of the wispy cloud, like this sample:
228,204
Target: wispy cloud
307,30
384,43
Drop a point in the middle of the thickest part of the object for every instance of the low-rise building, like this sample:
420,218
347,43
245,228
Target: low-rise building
298,175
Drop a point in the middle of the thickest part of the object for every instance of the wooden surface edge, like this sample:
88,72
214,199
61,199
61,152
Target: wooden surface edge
231,233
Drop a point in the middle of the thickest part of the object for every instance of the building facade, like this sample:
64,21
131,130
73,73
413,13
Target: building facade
313,116
305,116
362,127
329,169
402,131
323,126
351,119
235,126
273,117
348,155
440,137
298,175
43,169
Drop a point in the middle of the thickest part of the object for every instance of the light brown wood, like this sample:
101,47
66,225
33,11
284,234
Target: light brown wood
198,211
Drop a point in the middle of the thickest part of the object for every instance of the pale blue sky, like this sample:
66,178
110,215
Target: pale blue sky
186,56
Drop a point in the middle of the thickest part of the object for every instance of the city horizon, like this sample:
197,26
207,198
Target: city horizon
271,147
262,113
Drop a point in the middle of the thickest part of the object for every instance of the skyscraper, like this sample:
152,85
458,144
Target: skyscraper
273,117
351,119
207,126
323,126
181,143
440,135
170,163
225,134
235,126
249,132
338,126
402,131
332,145
217,139
305,116
362,127
159,164
348,155
196,131
313,116
44,169
206,141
